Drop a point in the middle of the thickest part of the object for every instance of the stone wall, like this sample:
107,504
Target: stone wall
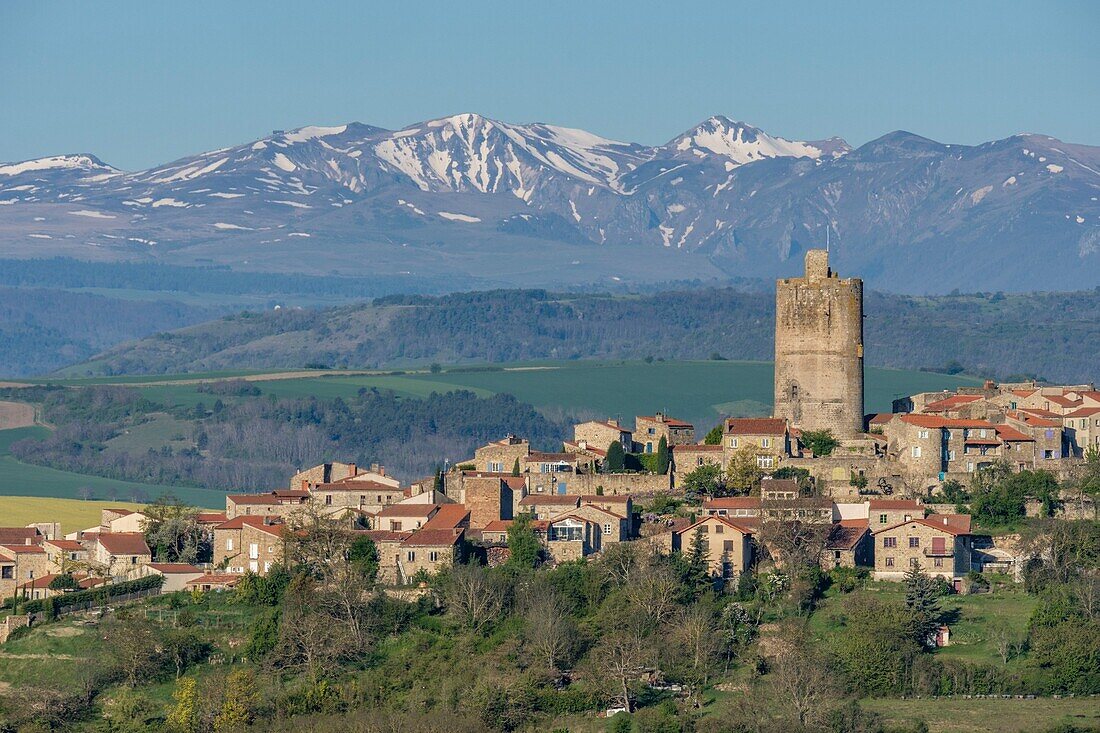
10,624
819,349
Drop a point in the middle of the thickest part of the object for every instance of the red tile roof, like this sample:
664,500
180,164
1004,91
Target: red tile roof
23,549
951,403
670,421
433,538
1083,412
124,543
448,517
880,418
1012,435
384,535
733,502
589,449
350,486
210,517
953,528
755,426
223,579
68,545
738,525
846,534
18,535
606,499
408,510
257,520
498,525
1061,400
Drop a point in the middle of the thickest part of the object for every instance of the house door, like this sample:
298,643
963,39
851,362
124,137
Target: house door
938,545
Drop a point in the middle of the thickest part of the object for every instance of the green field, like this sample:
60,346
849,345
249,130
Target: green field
698,391
955,715
23,479
73,514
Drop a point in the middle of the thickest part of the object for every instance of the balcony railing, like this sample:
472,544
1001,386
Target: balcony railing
944,552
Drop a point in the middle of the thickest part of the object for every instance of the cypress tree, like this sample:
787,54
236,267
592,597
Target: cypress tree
662,456
616,459
515,468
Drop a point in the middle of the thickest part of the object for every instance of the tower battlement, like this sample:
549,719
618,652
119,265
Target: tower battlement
819,349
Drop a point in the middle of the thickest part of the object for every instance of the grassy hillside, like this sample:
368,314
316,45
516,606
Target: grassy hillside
987,334
27,480
73,514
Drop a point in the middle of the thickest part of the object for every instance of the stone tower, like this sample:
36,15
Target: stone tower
819,349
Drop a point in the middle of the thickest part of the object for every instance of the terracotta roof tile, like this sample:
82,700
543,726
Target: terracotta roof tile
432,538
755,426
124,543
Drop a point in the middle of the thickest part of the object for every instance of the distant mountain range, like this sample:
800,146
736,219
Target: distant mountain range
545,206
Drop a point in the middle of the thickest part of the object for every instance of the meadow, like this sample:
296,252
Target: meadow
73,514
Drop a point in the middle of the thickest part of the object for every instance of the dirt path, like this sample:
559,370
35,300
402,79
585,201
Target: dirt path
16,415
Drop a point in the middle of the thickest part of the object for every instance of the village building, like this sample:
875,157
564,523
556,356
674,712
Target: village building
648,431
216,582
65,555
572,537
120,555
249,543
40,587
769,437
1082,430
940,545
176,574
726,545
20,563
281,503
545,506
429,551
849,545
405,517
502,456
602,433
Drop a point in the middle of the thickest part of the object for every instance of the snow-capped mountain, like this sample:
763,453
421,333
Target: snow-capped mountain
468,195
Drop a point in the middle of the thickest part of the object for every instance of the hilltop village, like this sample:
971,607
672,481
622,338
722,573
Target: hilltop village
874,484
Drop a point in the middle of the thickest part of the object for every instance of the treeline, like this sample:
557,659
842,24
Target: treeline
1048,335
258,443
45,329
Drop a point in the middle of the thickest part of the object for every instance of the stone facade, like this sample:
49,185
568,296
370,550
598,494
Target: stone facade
601,434
727,545
648,432
501,456
249,544
819,349
936,547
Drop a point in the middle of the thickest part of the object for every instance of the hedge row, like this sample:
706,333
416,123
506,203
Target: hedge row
93,595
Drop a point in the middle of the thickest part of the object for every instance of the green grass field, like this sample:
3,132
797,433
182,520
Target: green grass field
698,391
951,715
23,479
73,514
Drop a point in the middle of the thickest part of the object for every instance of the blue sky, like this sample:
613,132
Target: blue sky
139,83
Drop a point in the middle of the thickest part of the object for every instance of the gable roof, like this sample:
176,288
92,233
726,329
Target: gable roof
846,534
124,543
951,403
756,426
68,545
226,579
448,517
19,535
739,526
888,504
1083,412
350,484
408,510
880,418
174,568
432,538
575,445
1012,435
955,529
211,517
695,448
732,502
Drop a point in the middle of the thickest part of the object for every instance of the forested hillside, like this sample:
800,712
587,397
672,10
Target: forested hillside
1050,335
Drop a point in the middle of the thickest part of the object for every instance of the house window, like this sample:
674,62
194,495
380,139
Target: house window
652,431
411,555
229,543
133,559
607,529
889,541
6,572
914,541
328,499
1048,454
433,556
938,562
950,455
970,466
923,434
889,562
765,442
883,518
649,447
719,529
727,546
916,451
765,461
395,526
733,442
253,550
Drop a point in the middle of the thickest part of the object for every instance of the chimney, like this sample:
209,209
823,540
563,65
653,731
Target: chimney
353,470
305,484
382,470
660,416
945,521
583,445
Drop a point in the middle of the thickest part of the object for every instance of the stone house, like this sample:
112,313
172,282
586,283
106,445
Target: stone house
849,545
1047,430
1082,430
614,527
602,433
429,550
889,512
732,507
589,457
727,545
488,496
572,537
648,431
65,555
770,436
545,506
501,456
621,504
120,555
20,563
252,543
324,473
176,574
687,458
940,545
214,582
358,493
280,502
121,520
40,586
496,532
405,517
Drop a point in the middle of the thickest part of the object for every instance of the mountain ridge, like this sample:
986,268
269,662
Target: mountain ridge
465,194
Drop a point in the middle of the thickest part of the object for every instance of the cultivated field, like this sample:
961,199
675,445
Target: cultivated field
74,514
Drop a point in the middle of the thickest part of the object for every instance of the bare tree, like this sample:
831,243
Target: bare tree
653,594
472,597
801,677
620,658
796,530
1006,640
549,631
695,641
